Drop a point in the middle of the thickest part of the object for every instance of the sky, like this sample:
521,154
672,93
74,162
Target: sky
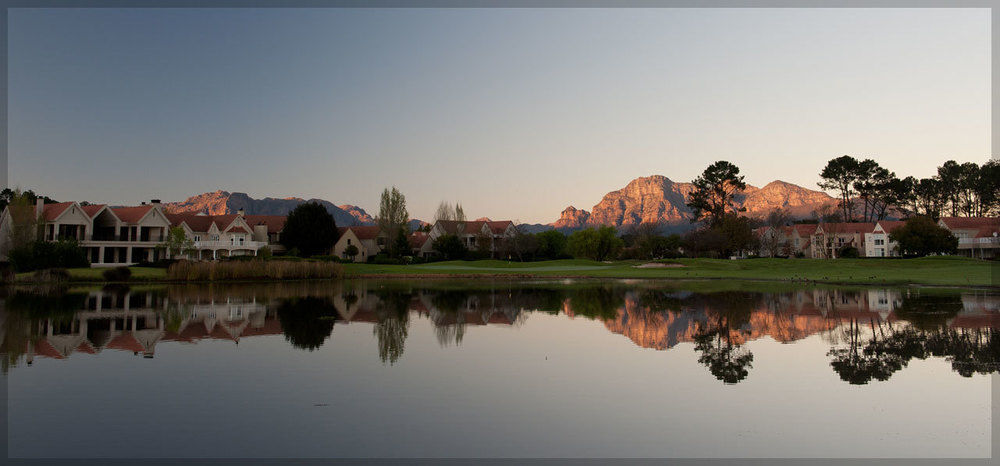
514,113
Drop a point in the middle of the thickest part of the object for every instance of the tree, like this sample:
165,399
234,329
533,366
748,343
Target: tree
392,217
922,236
772,241
521,244
309,229
450,246
307,321
8,195
351,251
929,197
446,211
715,191
551,244
840,174
598,244
951,175
402,243
738,233
177,243
24,222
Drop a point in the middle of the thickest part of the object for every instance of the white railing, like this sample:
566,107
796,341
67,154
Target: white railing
988,240
229,245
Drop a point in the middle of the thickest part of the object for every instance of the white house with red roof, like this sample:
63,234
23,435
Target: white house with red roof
877,242
216,236
368,240
108,235
977,236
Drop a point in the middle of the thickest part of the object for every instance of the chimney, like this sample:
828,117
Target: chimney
39,207
240,212
154,201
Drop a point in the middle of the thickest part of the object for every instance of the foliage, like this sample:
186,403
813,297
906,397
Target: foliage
309,230
446,211
841,174
392,219
450,246
117,274
307,322
922,236
177,243
48,254
715,192
731,235
551,244
848,252
351,251
8,196
598,244
253,270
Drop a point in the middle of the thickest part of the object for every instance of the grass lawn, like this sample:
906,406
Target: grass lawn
94,274
955,271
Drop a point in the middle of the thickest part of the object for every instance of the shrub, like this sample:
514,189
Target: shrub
117,274
921,236
51,275
157,264
39,255
848,252
326,258
450,246
253,270
595,243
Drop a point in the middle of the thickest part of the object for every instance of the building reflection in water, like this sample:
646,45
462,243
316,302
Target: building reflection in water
872,333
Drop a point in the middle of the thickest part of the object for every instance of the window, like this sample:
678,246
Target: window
197,237
348,241
880,242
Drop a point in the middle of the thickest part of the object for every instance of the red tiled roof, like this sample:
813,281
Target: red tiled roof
52,211
275,223
126,342
86,347
417,239
92,210
971,223
240,228
852,227
805,229
364,232
131,214
44,348
891,225
202,223
500,226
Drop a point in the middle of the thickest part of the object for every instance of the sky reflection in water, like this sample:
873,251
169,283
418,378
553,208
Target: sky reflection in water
436,368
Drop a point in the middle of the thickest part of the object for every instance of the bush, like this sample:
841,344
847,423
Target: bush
253,270
848,252
450,246
157,264
595,243
117,274
326,258
921,236
39,255
51,275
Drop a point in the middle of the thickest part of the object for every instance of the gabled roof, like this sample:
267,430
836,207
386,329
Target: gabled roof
362,232
844,227
417,239
275,223
93,210
891,225
805,229
458,227
203,223
131,214
970,223
51,212
500,226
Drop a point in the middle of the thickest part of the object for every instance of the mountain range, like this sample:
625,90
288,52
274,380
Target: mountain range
649,199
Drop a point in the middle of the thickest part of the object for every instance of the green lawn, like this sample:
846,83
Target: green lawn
955,271
94,274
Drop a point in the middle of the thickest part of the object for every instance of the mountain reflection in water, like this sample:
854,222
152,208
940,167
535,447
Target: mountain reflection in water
872,332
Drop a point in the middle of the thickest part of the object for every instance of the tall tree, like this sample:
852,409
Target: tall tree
951,174
309,229
840,174
715,192
392,217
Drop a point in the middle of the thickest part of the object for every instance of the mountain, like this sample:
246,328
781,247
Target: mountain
656,198
223,202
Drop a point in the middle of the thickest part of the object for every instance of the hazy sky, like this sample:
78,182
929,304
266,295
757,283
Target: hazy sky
515,113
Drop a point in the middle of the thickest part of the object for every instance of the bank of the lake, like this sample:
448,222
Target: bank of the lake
942,271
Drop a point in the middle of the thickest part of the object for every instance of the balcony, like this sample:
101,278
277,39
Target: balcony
988,242
215,245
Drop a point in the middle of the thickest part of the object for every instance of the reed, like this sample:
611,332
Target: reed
252,270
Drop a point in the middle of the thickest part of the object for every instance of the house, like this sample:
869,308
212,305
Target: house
877,242
417,241
977,236
788,241
483,234
109,236
369,241
829,238
218,236
268,228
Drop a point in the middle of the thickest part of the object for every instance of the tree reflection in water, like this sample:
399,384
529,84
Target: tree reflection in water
307,321
880,330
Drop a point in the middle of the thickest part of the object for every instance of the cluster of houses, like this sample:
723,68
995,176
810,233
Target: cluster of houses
113,236
977,237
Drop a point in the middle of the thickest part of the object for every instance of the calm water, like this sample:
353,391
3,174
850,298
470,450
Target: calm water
540,368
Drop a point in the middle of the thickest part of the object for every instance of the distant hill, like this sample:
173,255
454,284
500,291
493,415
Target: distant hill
224,202
657,199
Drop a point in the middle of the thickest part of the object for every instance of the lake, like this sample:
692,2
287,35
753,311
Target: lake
541,368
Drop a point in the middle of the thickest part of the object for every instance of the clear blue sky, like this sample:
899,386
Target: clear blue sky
515,113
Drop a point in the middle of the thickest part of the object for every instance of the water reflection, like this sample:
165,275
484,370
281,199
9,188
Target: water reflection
872,332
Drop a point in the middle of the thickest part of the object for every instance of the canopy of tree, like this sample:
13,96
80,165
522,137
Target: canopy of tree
922,236
310,229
